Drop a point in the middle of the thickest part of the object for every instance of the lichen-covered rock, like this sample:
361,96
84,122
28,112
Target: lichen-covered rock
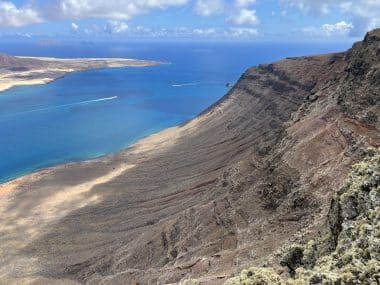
356,258
354,221
256,276
189,282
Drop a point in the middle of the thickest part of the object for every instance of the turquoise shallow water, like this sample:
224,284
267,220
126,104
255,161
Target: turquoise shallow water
88,114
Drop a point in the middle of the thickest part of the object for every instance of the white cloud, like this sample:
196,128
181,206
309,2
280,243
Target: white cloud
365,14
74,27
188,32
338,28
245,3
111,9
144,30
115,27
244,17
209,7
329,30
321,7
12,16
204,32
243,32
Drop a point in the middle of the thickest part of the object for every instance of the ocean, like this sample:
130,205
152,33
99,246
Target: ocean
92,113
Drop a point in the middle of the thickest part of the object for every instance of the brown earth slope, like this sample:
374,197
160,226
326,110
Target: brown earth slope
255,172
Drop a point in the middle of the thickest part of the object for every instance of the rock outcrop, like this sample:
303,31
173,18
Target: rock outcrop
350,252
252,175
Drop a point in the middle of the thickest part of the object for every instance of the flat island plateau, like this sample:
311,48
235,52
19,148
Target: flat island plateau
276,183
21,70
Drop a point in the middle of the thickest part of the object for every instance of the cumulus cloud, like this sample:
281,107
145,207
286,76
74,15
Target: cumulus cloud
116,27
321,7
329,30
12,16
112,9
338,28
244,17
187,32
364,13
209,7
243,32
204,32
245,3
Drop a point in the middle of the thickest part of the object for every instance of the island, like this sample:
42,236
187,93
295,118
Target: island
22,70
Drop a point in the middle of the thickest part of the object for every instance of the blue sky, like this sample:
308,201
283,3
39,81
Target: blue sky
283,20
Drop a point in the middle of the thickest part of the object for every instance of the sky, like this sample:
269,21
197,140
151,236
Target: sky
282,20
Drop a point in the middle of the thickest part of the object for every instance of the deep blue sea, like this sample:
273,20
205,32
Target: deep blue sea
88,114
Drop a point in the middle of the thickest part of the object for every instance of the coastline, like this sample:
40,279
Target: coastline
43,70
8,85
71,198
151,143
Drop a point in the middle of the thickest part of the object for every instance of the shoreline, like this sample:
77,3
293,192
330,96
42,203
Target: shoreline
151,143
25,70
5,86
147,139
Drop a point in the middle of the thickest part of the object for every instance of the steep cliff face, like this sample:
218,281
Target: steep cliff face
359,95
251,175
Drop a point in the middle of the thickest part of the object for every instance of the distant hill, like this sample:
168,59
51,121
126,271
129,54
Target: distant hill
14,63
6,60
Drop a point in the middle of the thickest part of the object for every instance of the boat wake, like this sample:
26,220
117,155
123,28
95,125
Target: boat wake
62,106
185,84
200,83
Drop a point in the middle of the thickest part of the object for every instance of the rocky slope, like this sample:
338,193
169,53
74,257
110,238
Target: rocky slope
233,188
350,251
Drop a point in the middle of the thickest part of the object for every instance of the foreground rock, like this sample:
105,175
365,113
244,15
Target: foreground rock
350,251
15,71
233,188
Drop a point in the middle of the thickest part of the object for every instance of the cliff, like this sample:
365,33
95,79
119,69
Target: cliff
235,187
